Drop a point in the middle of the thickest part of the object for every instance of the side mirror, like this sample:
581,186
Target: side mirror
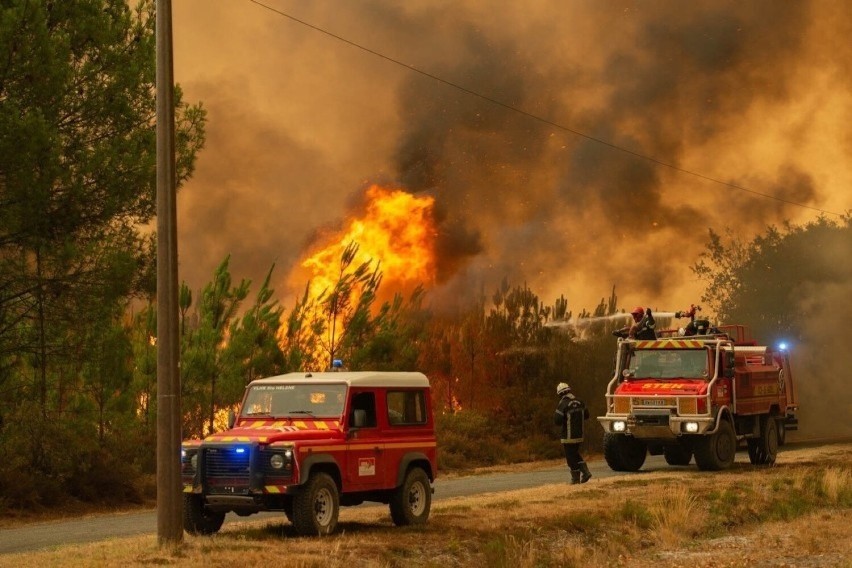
232,419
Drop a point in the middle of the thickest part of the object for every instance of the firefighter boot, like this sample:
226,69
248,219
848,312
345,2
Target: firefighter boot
586,474
575,476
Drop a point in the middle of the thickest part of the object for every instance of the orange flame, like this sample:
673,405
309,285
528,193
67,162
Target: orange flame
396,232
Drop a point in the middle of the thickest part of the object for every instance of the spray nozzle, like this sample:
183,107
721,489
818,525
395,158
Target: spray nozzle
690,313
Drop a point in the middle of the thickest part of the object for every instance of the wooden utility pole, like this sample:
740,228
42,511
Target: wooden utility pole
169,497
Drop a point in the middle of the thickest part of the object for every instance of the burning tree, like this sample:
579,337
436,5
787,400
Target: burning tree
391,242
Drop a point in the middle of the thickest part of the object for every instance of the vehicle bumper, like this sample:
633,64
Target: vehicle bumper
656,425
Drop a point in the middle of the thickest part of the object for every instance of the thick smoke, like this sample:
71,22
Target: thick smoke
549,204
299,123
823,360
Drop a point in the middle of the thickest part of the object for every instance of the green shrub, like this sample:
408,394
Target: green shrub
636,513
467,439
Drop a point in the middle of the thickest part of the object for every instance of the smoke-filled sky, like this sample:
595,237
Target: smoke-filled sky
757,94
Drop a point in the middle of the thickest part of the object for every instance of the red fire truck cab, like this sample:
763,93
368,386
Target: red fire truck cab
308,443
685,396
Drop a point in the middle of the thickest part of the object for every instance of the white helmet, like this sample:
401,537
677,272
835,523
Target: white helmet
562,388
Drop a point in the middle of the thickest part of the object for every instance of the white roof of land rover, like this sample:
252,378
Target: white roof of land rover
350,378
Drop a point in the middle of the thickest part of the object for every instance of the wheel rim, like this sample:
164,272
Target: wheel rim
323,507
417,499
771,438
725,447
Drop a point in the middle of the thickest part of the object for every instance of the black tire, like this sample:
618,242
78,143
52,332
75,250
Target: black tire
317,506
197,519
288,509
782,432
677,455
764,450
411,502
717,451
624,453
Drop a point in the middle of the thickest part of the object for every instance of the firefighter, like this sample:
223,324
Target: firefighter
569,416
643,326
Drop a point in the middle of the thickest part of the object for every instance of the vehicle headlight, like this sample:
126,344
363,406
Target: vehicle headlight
276,461
691,427
619,426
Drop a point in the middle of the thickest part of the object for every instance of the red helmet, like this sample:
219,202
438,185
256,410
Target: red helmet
638,311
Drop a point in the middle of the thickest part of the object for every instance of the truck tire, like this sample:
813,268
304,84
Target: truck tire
717,451
288,509
677,455
197,520
764,449
782,432
411,502
623,453
317,506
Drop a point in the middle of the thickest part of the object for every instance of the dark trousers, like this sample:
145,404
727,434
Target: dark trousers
572,456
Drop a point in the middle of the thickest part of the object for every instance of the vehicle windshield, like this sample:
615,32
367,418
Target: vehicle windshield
295,401
667,364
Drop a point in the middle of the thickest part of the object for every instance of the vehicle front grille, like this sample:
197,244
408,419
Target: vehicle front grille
227,469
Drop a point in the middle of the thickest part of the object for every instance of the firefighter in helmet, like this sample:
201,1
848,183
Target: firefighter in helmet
643,326
569,416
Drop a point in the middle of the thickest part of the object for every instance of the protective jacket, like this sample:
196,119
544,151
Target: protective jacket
569,416
644,328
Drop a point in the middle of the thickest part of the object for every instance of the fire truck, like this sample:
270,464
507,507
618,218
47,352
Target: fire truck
697,392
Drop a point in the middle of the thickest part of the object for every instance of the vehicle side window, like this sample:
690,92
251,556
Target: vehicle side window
365,401
406,407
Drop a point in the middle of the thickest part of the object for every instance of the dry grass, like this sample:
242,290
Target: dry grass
676,516
796,513
837,484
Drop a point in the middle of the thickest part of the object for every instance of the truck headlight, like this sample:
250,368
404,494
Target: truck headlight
690,427
276,461
619,426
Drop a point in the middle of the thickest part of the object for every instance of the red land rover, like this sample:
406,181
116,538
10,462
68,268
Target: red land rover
308,443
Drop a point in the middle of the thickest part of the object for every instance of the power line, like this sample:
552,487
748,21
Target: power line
538,118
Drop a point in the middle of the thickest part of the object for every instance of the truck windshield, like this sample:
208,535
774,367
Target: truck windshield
667,364
295,401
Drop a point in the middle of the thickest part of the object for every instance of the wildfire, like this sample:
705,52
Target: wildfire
395,233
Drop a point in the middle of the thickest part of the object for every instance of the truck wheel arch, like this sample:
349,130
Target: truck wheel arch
417,458
323,462
723,414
